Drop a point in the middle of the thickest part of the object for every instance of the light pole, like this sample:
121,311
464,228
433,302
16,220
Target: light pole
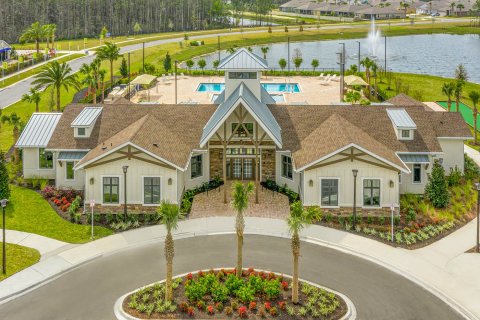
125,168
3,203
176,64
385,55
358,56
342,70
288,54
477,245
355,173
143,57
129,76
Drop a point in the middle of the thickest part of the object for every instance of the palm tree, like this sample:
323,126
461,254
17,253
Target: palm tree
169,215
297,221
460,7
474,96
458,93
448,90
265,51
240,203
110,52
367,63
452,7
56,75
375,70
86,70
35,32
405,6
101,74
33,97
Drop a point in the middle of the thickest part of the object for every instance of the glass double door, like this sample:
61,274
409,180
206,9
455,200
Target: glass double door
241,168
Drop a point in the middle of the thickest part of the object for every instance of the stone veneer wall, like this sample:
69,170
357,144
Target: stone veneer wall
216,163
268,165
131,208
346,211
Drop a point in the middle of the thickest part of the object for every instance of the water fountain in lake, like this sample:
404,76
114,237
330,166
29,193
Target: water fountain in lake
374,40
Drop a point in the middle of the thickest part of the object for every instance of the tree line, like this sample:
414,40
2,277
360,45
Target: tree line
86,18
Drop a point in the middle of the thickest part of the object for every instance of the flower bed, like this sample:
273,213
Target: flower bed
63,198
221,294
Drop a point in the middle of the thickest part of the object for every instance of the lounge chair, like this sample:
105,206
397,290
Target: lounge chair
321,76
326,82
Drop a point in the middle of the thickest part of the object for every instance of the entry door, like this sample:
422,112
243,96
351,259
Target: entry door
237,169
248,169
241,169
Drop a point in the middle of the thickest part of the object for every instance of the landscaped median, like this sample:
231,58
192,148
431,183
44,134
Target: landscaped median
219,293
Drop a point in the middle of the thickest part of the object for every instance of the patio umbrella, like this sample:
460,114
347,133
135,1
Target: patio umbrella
354,81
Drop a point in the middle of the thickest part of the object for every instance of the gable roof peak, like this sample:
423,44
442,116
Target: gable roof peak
243,59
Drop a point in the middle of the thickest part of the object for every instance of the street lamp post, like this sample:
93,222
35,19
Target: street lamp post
342,71
125,168
358,56
477,245
3,203
355,173
176,66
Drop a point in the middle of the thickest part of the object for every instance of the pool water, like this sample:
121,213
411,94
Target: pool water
269,87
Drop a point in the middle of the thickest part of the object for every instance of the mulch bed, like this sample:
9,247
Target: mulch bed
285,296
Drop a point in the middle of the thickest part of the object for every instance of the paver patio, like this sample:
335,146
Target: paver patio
271,204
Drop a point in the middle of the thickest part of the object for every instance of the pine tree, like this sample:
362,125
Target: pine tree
124,68
436,189
4,187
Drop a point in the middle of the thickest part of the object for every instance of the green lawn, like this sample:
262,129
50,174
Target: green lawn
18,258
31,72
28,211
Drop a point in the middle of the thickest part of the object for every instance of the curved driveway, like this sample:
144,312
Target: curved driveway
90,291
13,93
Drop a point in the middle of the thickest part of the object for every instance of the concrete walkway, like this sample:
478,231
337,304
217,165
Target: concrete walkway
472,153
43,245
442,268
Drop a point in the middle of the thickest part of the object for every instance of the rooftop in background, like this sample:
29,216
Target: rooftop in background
4,46
38,130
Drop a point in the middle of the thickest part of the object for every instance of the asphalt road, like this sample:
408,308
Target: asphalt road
13,93
89,292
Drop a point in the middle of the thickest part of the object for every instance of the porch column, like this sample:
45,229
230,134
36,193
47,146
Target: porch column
224,163
257,171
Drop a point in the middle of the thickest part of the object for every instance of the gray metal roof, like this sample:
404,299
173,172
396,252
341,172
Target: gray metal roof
414,158
243,60
38,130
4,45
87,117
71,155
266,97
401,119
258,109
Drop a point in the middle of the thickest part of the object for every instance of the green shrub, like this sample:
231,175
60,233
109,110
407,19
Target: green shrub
245,294
271,288
315,213
195,290
436,188
256,283
411,215
455,177
219,292
471,170
233,283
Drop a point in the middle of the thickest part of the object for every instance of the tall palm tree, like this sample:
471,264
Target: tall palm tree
56,75
448,89
458,93
367,63
36,32
110,52
475,97
375,75
33,97
240,196
86,70
169,215
101,74
265,51
297,221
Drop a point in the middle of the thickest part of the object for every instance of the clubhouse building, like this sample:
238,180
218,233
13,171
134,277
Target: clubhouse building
312,149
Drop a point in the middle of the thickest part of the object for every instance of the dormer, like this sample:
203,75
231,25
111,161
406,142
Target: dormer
402,123
245,67
85,121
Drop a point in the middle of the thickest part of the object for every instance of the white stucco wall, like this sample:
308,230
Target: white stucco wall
31,165
453,154
137,169
78,183
195,182
343,171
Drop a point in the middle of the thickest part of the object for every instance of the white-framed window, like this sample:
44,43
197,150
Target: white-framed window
417,173
69,171
151,190
45,159
405,134
111,190
329,192
81,132
287,167
196,165
371,192
241,132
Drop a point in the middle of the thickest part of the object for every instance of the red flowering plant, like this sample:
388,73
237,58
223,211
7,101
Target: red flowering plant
189,276
210,310
191,311
282,305
267,306
252,305
242,312
284,285
183,307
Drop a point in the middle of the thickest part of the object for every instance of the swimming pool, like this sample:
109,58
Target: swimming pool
270,87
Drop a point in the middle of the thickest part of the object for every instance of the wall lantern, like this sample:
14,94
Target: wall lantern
170,181
310,183
92,180
391,183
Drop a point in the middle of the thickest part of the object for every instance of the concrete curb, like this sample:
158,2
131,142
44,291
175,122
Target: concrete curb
120,314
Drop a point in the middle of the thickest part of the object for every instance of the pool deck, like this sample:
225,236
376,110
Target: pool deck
313,90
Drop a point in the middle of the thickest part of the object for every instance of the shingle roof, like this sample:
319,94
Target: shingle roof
176,129
38,130
243,59
403,100
87,117
257,108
